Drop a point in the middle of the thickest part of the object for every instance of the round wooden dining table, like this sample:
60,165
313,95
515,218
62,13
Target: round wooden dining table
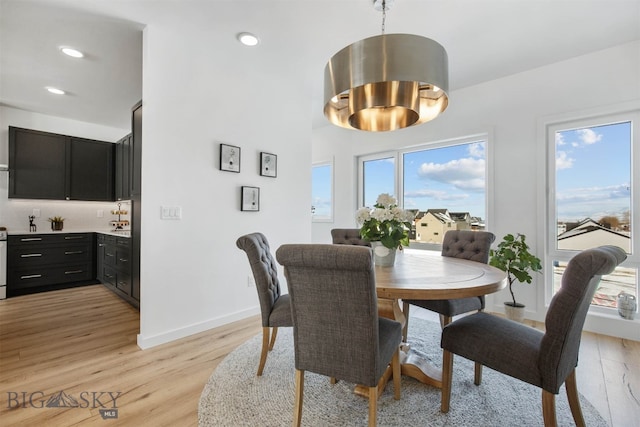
426,275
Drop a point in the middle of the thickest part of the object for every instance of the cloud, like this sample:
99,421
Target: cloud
591,194
434,194
562,161
560,139
465,174
476,150
588,136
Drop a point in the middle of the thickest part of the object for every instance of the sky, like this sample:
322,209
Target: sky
450,178
593,172
593,175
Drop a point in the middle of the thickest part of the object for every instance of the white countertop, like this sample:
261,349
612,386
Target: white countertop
120,233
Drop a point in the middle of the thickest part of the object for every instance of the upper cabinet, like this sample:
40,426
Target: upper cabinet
123,168
91,170
45,165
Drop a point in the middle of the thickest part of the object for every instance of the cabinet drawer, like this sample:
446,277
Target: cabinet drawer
46,239
22,256
109,275
31,277
122,259
123,282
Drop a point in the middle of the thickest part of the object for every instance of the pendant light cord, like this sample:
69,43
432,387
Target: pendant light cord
384,14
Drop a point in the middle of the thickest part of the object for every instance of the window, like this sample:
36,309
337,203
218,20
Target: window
443,184
592,186
378,176
322,192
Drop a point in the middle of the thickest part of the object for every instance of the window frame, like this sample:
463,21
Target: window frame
398,156
586,119
331,216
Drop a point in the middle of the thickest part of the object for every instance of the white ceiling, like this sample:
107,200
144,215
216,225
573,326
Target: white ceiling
485,40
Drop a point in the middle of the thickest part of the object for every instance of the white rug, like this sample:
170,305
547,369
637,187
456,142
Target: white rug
235,396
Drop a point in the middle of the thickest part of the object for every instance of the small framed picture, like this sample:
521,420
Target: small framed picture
250,199
229,158
268,164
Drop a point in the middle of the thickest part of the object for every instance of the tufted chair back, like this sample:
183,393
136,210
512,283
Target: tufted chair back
567,311
265,271
348,236
468,244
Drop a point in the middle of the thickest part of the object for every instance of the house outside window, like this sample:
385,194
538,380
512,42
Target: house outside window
592,186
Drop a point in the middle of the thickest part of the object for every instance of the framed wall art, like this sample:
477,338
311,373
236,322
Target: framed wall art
250,199
229,158
268,165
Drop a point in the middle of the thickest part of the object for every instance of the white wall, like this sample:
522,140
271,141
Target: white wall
78,215
509,109
193,277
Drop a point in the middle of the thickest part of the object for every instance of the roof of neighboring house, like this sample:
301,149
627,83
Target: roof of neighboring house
587,226
460,216
441,215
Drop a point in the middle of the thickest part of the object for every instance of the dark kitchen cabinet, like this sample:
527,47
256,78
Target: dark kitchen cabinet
40,262
116,266
37,164
44,165
123,168
136,189
91,170
100,257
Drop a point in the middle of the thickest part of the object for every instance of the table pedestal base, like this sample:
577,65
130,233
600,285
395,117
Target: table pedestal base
412,364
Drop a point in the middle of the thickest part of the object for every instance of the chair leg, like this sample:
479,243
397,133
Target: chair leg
265,349
395,363
445,320
574,401
405,311
447,376
333,380
373,405
297,409
274,333
549,409
477,373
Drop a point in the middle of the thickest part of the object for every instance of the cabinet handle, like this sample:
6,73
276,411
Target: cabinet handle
73,272
31,276
108,254
73,252
123,260
109,276
73,237
31,239
100,245
29,255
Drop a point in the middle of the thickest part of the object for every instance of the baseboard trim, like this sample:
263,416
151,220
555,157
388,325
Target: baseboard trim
145,342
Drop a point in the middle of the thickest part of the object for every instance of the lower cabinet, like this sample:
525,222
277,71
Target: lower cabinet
115,266
41,262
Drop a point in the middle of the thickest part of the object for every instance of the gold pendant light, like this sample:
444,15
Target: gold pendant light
386,82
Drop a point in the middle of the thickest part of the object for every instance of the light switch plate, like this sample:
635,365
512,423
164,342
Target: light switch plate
170,212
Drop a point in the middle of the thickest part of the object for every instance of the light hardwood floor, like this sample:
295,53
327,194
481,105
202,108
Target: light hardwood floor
83,341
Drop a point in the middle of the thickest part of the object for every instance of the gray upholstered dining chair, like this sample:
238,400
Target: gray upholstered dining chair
544,359
464,244
348,236
274,306
336,328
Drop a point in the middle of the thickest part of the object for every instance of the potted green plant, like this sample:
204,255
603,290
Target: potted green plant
57,222
512,256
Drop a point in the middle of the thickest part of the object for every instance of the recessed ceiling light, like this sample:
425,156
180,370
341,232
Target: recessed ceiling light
72,52
248,39
55,90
